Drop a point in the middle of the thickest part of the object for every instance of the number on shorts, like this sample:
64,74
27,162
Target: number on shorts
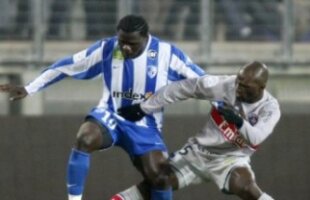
110,122
185,150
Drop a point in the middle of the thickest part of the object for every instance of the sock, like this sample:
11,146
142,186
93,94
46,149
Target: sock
75,197
161,194
78,166
265,196
131,193
118,197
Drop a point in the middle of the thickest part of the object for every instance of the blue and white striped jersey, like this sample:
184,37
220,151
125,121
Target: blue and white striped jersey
125,81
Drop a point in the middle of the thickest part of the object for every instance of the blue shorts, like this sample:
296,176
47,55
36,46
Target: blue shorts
135,140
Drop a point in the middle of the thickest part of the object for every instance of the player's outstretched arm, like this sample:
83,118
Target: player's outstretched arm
15,92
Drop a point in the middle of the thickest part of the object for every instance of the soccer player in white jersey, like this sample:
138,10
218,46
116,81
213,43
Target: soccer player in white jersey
133,65
244,114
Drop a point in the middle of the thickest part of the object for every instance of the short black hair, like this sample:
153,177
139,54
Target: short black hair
132,23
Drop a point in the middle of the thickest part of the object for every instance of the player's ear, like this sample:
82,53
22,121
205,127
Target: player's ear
263,86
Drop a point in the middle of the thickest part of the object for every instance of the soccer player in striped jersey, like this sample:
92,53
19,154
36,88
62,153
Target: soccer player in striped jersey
244,114
133,65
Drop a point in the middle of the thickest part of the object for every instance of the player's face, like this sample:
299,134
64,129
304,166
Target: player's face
131,44
247,89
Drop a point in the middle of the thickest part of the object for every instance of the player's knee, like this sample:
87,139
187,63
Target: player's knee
88,141
83,141
242,184
246,190
174,181
89,137
161,180
157,178
164,177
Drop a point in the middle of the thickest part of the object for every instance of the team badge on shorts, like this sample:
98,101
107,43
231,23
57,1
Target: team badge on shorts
253,118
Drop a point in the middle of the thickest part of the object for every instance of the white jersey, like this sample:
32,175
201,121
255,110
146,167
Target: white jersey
125,81
218,136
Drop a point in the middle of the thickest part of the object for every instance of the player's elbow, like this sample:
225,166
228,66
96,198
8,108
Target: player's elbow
257,139
254,143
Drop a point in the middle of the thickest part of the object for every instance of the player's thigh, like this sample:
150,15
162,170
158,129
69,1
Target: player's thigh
101,127
102,132
89,137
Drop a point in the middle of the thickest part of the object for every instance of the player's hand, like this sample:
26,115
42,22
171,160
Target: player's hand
132,113
231,116
15,92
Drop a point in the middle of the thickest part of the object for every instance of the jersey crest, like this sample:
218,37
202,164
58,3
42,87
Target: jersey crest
152,71
152,54
253,118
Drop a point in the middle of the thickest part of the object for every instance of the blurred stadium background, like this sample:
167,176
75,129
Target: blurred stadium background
220,35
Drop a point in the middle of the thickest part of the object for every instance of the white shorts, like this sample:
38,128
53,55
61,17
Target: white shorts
193,164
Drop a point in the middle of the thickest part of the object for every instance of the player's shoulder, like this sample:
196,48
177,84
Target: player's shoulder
212,80
102,42
112,38
168,48
270,103
218,78
159,40
167,44
108,40
270,99
105,44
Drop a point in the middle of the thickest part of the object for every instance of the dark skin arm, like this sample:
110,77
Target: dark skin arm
15,92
